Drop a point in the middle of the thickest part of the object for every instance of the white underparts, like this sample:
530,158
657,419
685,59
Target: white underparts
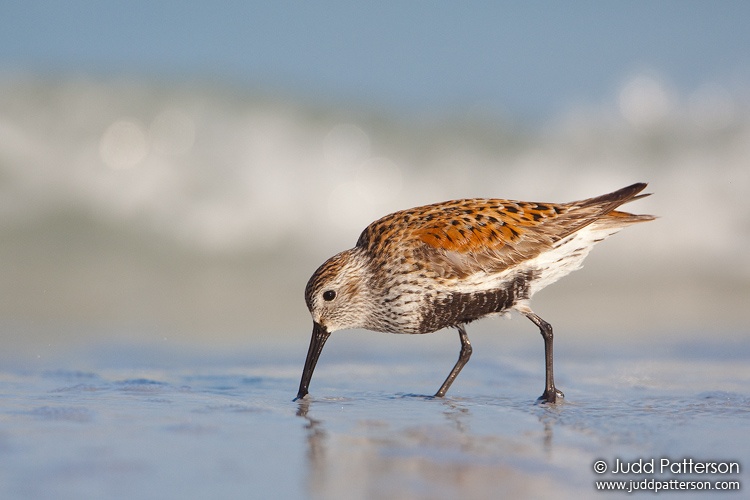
565,256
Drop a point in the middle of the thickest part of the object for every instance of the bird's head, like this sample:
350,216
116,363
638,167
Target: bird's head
337,297
336,294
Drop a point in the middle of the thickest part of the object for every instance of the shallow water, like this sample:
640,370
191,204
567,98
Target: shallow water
204,425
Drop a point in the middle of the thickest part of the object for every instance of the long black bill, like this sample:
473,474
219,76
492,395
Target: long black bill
318,340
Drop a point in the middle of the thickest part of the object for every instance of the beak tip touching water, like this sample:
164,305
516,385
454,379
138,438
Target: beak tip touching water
318,340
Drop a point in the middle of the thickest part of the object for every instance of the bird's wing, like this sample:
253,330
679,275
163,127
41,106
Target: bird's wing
462,237
486,235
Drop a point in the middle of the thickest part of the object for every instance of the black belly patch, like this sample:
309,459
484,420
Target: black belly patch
456,308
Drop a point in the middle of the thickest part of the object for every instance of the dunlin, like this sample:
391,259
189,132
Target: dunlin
447,264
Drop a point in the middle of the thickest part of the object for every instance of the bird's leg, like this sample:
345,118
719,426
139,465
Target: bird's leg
550,392
463,357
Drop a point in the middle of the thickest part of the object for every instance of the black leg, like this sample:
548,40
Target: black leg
550,392
463,357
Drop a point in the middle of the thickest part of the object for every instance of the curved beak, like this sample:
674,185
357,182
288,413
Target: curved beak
318,340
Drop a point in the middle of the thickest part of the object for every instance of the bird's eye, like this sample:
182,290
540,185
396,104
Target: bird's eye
329,295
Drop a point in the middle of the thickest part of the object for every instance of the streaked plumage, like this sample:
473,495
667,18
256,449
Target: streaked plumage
447,264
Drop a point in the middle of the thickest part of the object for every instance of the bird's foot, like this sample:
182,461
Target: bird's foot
551,396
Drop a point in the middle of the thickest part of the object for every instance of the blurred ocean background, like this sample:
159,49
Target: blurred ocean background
135,210
172,174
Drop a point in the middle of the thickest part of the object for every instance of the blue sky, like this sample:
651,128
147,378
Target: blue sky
523,58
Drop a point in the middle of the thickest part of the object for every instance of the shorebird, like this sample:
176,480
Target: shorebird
447,264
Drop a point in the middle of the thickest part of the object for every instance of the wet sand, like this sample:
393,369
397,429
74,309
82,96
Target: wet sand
140,422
